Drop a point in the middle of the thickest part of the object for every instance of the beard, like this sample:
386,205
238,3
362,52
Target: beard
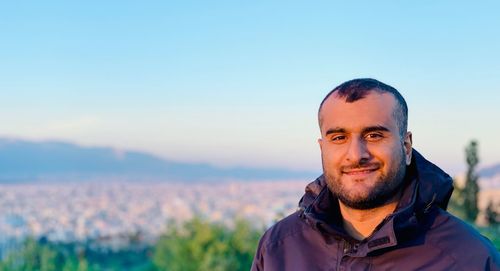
385,188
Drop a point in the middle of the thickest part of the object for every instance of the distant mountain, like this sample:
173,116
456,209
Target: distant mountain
489,177
490,171
22,160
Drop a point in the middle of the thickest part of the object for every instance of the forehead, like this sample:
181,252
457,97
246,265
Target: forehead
373,109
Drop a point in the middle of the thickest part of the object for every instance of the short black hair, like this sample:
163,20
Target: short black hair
357,89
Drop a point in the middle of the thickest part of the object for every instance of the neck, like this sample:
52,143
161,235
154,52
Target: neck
360,224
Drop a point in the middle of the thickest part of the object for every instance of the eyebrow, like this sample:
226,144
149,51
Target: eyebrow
335,131
376,128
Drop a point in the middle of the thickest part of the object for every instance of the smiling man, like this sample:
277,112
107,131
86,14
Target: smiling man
379,205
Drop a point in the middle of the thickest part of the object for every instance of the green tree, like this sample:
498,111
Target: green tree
200,245
471,188
42,255
195,245
31,256
491,215
456,204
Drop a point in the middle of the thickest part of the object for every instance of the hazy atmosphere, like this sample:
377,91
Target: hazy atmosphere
169,135
239,84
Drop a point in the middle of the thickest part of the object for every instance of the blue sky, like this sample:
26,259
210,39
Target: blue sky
233,83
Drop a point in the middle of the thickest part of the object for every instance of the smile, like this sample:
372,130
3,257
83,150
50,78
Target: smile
360,171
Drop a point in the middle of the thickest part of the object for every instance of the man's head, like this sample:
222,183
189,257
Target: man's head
364,143
357,89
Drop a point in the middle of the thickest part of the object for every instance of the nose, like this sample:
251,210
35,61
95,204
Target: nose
357,151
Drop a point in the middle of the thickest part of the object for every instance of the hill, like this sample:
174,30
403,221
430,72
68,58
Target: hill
22,160
489,177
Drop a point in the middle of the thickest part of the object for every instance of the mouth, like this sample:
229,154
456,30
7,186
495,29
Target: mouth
359,171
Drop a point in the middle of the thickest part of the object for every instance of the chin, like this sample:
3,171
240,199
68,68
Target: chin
358,196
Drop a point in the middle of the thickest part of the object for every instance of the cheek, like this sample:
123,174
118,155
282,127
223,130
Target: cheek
392,155
330,156
385,155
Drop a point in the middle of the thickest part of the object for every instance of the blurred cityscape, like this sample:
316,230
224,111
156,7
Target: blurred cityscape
78,211
110,212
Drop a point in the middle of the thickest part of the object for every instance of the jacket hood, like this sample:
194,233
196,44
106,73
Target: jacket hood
433,187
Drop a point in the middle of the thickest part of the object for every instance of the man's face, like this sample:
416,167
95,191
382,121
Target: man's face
364,157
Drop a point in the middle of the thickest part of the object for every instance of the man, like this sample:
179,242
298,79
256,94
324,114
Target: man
379,205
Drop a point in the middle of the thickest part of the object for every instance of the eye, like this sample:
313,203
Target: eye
338,138
374,137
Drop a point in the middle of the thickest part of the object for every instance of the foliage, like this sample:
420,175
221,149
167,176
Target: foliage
35,255
196,245
471,188
47,256
200,245
456,204
492,217
463,202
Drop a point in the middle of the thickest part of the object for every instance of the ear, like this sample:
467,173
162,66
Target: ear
320,142
407,144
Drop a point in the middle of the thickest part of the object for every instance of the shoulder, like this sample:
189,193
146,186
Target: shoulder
292,243
284,230
461,241
270,251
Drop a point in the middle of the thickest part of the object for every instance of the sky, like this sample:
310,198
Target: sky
238,83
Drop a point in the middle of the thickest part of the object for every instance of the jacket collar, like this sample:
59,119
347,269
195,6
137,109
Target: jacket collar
426,186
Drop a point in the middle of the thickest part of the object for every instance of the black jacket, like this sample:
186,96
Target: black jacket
419,235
